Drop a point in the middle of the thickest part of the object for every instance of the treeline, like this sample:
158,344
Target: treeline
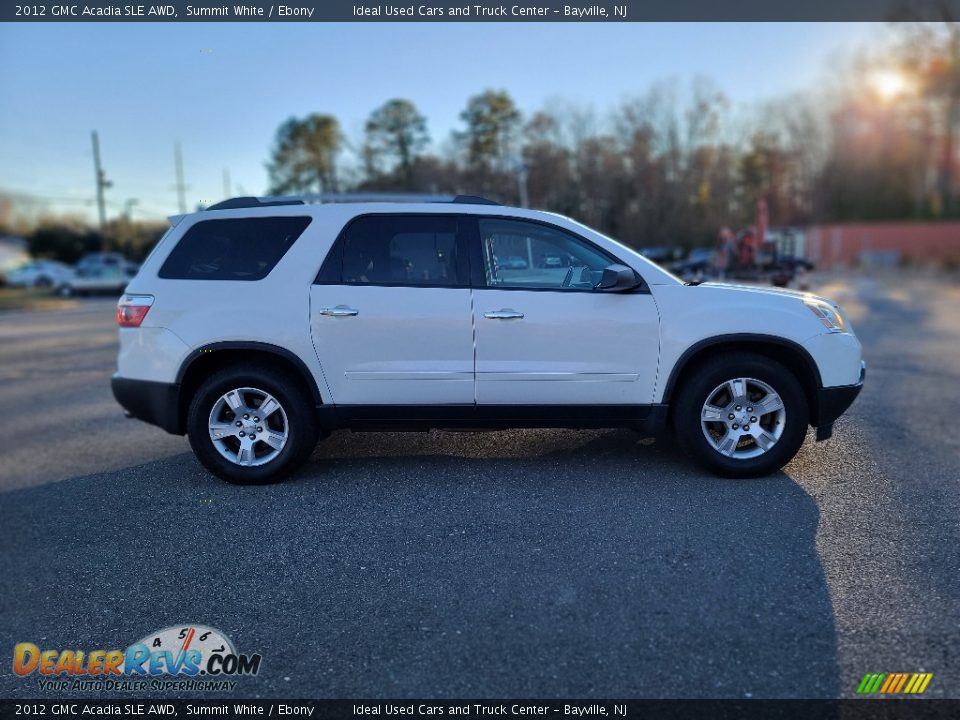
67,241
673,165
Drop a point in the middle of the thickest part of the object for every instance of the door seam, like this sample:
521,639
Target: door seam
473,333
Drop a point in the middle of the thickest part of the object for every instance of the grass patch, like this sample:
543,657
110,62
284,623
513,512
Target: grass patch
32,299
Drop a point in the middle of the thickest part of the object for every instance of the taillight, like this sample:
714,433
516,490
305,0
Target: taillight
132,309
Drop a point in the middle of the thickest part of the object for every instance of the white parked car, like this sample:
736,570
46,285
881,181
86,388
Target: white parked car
38,273
258,325
95,280
107,260
514,262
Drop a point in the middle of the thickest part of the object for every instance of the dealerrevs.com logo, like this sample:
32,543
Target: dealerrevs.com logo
188,657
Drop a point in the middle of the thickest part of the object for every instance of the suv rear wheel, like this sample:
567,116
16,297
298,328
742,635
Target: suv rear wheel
741,415
251,425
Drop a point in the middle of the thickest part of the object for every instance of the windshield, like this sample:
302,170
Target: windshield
633,254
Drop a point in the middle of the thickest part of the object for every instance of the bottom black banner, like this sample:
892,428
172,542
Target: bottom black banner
638,709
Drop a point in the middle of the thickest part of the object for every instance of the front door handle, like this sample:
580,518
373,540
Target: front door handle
339,311
505,314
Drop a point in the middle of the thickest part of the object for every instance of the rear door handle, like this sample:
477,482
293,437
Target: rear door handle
339,311
505,314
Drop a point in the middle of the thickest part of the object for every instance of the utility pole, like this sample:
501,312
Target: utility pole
102,184
180,187
952,117
523,172
226,183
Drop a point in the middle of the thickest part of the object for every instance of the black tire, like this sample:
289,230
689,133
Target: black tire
300,423
699,386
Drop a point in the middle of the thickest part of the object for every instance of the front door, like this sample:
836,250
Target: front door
544,336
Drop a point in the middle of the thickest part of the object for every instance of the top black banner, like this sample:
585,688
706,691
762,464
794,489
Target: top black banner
486,11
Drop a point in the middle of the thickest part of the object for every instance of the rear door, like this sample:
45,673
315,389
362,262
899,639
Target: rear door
544,336
390,313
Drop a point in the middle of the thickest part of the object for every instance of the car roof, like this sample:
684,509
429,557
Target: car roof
340,213
349,209
335,198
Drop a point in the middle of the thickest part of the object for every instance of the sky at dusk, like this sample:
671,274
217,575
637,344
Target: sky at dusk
222,89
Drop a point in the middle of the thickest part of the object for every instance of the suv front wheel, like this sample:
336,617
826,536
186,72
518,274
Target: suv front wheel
251,425
741,415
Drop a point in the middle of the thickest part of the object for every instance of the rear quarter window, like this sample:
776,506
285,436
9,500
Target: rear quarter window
234,249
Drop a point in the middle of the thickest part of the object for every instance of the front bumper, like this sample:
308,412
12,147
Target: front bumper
154,402
832,402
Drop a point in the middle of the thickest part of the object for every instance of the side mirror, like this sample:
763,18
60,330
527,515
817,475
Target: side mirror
617,278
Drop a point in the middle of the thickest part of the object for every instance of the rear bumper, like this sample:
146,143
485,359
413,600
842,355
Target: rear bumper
154,402
832,402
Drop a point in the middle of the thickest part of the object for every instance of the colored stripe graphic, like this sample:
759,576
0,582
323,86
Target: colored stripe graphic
918,683
891,681
901,681
894,683
870,683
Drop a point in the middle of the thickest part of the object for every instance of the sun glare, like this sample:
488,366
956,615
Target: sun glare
888,84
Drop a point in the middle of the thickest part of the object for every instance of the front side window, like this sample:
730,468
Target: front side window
395,250
234,249
524,255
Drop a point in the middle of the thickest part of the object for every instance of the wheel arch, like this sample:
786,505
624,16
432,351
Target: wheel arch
788,353
204,361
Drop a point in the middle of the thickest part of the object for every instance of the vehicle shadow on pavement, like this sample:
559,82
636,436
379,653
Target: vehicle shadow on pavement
889,480
563,564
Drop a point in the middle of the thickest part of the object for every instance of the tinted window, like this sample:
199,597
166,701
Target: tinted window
395,250
519,254
238,249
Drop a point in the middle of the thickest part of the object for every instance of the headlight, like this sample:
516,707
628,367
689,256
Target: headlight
829,315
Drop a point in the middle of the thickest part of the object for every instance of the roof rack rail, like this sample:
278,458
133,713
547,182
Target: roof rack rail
250,201
326,198
474,200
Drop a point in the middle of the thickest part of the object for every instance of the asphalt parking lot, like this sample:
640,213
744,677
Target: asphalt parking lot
506,564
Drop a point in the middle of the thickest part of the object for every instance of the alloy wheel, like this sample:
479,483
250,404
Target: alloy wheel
248,426
743,418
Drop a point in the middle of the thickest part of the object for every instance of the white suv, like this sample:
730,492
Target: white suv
257,325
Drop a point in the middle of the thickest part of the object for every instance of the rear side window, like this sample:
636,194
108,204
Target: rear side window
407,250
236,249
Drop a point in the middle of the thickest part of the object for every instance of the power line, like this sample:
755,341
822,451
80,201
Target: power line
29,197
34,197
